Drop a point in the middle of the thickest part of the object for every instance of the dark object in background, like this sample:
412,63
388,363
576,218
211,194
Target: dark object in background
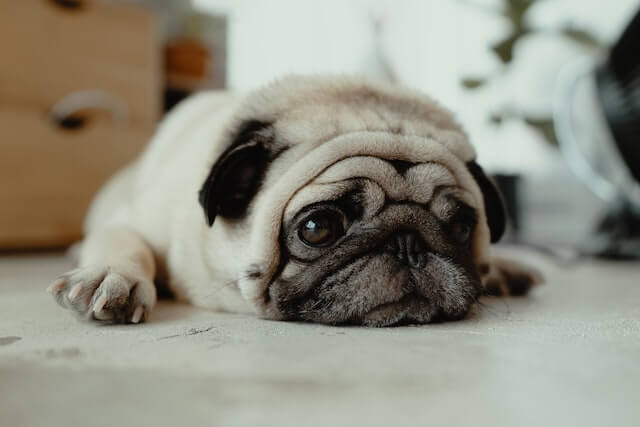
618,83
194,56
187,64
597,119
617,235
195,48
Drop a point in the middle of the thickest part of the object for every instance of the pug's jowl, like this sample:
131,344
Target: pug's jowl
324,199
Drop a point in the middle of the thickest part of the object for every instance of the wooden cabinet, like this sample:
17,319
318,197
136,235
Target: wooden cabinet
79,97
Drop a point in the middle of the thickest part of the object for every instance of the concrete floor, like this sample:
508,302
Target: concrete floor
567,355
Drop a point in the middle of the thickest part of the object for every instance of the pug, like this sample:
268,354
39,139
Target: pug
323,199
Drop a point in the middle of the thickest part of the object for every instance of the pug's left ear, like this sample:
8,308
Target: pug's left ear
493,203
236,175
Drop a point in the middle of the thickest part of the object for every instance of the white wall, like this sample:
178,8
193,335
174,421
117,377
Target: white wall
431,45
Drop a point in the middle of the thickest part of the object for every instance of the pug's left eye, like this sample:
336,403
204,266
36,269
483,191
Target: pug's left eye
321,230
460,232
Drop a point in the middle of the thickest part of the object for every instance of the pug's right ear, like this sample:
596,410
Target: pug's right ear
236,175
493,203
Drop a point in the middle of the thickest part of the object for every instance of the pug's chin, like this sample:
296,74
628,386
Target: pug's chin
410,309
377,290
388,314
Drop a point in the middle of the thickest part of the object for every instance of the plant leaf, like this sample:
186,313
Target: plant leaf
545,127
582,37
472,83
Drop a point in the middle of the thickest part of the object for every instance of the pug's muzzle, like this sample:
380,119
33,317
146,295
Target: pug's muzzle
365,259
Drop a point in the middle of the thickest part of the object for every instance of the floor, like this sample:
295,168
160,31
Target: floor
569,354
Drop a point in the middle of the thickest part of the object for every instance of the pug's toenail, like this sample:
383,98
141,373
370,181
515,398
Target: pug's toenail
137,315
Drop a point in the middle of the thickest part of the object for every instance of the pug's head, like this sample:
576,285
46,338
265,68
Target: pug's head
358,203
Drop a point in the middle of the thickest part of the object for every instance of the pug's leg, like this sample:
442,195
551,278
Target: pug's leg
114,280
505,277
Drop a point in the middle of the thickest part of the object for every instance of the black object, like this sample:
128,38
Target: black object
69,4
71,122
618,83
173,97
618,89
617,236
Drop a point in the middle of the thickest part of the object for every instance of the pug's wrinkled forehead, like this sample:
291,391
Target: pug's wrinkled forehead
293,139
386,181
312,110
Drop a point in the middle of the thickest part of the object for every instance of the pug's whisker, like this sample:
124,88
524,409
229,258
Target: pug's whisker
217,290
372,229
486,308
227,285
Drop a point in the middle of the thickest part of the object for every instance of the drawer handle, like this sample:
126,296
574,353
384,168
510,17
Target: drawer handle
69,4
72,112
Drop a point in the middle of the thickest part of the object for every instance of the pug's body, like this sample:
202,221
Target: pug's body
333,200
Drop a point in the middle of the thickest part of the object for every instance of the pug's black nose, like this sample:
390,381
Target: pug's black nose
408,248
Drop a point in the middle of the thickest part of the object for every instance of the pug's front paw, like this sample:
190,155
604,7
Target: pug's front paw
510,278
104,294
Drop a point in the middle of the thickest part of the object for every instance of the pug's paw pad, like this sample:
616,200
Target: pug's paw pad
510,278
104,294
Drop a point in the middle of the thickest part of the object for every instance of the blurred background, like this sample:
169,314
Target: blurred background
83,84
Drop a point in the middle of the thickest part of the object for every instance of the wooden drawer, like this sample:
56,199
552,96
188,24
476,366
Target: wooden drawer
48,175
49,51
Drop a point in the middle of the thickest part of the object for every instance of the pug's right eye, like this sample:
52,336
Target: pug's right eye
321,230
